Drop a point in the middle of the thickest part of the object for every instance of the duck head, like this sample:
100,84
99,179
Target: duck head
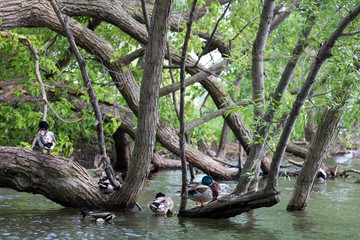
43,125
159,194
207,180
84,211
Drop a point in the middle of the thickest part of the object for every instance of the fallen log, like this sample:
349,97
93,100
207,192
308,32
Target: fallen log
296,150
165,163
59,179
232,205
299,164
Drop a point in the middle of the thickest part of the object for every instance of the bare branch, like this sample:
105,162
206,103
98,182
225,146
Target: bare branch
92,95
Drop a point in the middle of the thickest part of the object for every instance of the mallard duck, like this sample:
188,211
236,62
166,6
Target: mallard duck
205,191
96,217
321,176
105,186
161,204
46,138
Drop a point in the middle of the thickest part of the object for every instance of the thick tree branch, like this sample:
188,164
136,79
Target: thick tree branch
18,16
57,178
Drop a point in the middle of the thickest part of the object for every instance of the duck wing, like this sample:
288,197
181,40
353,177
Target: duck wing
200,188
161,204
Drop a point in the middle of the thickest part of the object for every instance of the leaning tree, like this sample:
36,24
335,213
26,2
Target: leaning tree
125,39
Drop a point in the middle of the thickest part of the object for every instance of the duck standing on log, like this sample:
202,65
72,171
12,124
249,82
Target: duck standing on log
46,138
207,190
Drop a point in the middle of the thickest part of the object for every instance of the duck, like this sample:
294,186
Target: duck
162,204
321,176
46,138
207,190
105,186
96,217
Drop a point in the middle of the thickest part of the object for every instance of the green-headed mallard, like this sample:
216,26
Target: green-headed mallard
205,191
161,204
46,138
96,217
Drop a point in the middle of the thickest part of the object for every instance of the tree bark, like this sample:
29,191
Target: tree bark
60,179
165,163
323,54
122,149
232,205
309,129
40,14
148,109
253,162
319,146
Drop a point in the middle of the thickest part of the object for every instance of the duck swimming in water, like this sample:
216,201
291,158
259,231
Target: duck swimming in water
46,138
96,217
161,204
205,191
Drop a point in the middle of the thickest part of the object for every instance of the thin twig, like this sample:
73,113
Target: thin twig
213,33
92,95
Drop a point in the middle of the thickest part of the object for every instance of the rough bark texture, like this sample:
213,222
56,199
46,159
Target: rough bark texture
319,146
148,109
122,149
297,150
232,205
40,14
59,179
310,126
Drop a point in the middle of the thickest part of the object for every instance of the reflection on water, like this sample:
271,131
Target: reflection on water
332,213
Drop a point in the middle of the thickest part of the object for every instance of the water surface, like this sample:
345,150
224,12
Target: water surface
332,213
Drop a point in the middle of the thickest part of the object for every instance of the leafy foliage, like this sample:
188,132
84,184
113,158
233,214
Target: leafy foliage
18,121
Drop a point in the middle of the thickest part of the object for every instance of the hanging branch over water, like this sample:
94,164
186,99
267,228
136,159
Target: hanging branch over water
93,99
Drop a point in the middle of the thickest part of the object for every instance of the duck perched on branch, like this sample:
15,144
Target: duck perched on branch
46,138
161,204
205,191
96,217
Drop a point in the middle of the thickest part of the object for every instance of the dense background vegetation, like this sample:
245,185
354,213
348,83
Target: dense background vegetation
18,121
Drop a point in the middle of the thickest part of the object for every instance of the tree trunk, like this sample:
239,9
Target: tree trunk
310,126
148,109
250,173
122,149
224,140
323,54
24,15
319,146
165,163
60,179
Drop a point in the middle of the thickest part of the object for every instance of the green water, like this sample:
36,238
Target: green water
332,213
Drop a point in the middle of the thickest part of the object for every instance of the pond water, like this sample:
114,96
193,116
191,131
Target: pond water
332,213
